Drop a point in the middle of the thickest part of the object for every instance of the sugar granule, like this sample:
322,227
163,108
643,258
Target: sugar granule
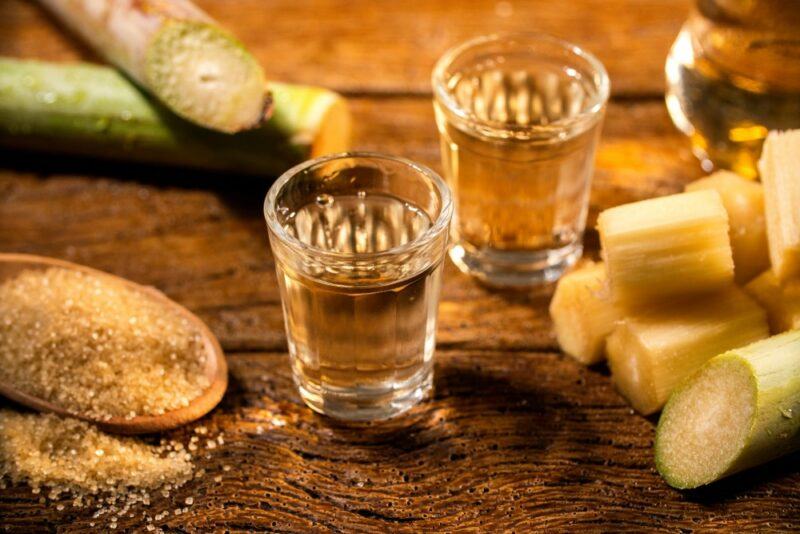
93,345
38,449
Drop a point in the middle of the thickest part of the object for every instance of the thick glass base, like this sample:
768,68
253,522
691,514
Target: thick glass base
515,269
366,403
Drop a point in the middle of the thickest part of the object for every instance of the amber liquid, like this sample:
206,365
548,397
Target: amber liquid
518,198
353,337
733,75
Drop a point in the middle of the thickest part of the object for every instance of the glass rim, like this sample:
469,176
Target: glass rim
441,224
443,95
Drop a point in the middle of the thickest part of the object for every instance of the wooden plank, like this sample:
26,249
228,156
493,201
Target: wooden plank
202,239
391,47
524,441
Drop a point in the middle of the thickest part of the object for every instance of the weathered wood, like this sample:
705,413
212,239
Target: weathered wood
520,441
366,46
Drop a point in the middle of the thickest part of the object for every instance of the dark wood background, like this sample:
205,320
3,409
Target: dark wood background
517,437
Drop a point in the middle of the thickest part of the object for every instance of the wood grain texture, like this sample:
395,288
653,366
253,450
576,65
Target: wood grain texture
516,437
510,442
389,47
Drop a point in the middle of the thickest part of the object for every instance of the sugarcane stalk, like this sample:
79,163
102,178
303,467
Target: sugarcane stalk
779,167
665,248
178,53
744,201
740,410
91,110
583,314
782,301
651,352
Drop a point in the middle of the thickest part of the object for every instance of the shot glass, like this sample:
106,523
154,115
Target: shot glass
519,116
359,241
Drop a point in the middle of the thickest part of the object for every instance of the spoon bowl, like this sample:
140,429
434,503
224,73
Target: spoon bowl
216,367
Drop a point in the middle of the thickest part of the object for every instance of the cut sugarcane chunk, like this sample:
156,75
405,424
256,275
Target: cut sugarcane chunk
205,75
740,410
666,247
178,53
744,201
782,301
779,167
583,314
651,352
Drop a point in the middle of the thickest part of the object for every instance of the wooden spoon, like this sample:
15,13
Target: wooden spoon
216,368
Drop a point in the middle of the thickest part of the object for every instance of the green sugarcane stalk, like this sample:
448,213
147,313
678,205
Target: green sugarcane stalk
95,111
740,410
178,53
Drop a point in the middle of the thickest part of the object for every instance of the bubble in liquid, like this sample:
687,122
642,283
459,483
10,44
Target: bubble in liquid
324,200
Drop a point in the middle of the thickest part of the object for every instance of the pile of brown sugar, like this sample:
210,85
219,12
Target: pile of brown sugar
93,345
66,455
71,463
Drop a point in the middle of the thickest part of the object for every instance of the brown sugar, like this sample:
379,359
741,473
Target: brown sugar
95,346
69,456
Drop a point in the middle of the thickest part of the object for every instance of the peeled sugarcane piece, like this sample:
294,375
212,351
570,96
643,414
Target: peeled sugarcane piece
742,409
666,248
744,201
782,301
179,54
779,167
89,110
652,352
583,314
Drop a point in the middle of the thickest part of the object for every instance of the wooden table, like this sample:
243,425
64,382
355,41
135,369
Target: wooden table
517,437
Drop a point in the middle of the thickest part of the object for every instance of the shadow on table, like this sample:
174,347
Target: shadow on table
244,193
731,488
472,413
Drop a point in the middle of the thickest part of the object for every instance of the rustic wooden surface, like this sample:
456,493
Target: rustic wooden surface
517,437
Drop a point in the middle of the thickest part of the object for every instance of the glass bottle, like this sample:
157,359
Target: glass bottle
733,74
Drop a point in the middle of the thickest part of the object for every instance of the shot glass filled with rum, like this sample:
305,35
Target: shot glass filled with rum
519,117
359,241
